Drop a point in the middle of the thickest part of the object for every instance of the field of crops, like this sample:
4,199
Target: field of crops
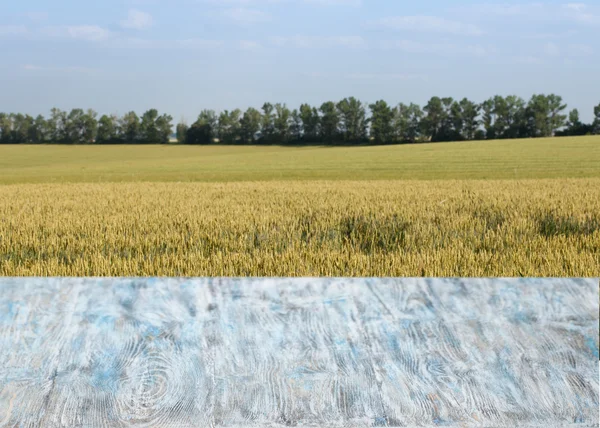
570,157
547,227
501,208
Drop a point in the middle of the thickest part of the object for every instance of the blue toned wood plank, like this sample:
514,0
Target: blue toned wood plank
311,352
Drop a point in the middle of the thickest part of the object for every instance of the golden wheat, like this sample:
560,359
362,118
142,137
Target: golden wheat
380,228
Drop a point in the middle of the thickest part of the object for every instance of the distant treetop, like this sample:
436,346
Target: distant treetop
348,122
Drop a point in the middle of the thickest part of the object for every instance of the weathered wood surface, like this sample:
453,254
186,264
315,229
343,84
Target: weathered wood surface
305,352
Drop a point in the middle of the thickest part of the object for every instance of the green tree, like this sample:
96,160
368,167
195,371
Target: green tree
5,128
296,128
81,126
229,126
57,126
37,132
250,125
489,118
527,123
546,112
514,116
108,131
129,127
456,133
382,130
181,132
501,116
148,132
21,128
442,119
479,135
437,124
210,118
574,121
400,123
199,134
268,123
448,133
164,127
282,123
90,126
407,123
540,111
575,126
311,123
415,116
155,129
557,117
506,112
596,124
470,117
203,131
330,121
353,120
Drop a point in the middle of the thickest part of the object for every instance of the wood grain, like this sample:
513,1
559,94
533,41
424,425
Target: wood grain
298,352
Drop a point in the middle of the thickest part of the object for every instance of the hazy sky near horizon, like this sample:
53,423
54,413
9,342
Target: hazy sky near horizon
181,56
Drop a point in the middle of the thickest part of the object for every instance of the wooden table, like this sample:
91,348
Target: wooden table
298,352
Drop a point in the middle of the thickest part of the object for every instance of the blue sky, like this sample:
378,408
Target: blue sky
182,56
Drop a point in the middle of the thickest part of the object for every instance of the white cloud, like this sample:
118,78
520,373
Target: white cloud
12,30
246,16
335,2
196,43
37,16
578,7
527,59
433,24
249,45
88,32
92,33
532,12
138,43
580,49
551,49
385,76
320,42
503,9
582,13
263,2
410,46
141,43
553,36
31,67
364,76
137,20
242,2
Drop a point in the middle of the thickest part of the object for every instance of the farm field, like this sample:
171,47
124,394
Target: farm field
568,157
272,211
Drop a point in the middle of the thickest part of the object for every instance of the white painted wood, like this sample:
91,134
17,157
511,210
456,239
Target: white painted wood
298,352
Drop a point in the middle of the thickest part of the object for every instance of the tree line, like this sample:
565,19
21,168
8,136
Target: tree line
349,121
82,127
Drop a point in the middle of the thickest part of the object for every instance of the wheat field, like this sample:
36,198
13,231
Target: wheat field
466,228
565,157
